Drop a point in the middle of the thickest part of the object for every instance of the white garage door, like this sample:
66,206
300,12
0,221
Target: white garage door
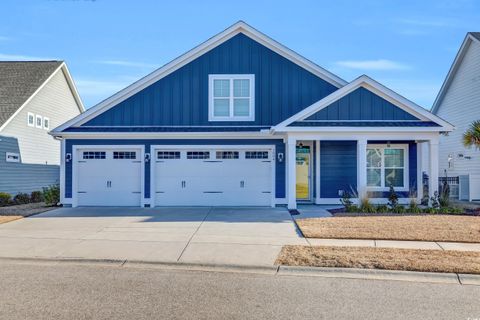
213,177
110,177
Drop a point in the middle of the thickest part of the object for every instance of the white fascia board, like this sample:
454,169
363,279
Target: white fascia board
60,67
164,135
452,71
239,27
73,87
362,129
375,87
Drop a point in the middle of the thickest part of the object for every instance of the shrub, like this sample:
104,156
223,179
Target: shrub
36,196
52,195
392,198
383,208
444,198
399,209
347,201
413,207
21,198
353,208
366,206
435,203
5,199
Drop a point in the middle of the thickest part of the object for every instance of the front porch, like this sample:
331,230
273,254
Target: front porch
321,167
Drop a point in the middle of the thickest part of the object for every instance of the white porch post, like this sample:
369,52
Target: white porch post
317,171
361,168
419,171
433,170
291,173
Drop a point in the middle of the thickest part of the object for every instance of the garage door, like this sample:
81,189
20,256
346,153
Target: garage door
109,177
213,177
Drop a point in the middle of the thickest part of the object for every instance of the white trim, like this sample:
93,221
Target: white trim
271,148
47,119
375,87
75,152
239,27
452,71
230,78
62,171
406,184
37,116
28,119
317,169
166,135
360,129
71,83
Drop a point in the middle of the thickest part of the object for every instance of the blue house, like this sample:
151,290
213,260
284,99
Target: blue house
241,120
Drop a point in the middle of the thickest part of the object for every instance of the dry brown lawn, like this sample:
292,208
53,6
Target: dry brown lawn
381,258
5,219
420,228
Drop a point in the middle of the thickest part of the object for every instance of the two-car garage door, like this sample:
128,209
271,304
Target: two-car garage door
222,177
197,176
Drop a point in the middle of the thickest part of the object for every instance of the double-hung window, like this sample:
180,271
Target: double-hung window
387,166
231,97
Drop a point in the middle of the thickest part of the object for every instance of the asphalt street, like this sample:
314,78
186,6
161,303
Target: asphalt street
32,290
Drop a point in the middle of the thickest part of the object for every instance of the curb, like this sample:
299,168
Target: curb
345,273
374,274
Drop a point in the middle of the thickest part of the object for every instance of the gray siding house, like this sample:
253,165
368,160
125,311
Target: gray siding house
458,102
34,98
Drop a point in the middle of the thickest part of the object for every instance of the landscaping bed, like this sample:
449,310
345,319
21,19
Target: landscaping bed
381,258
448,228
25,210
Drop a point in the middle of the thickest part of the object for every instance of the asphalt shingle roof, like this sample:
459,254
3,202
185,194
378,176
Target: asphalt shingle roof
19,80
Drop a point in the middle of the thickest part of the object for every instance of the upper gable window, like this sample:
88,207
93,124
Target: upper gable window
231,97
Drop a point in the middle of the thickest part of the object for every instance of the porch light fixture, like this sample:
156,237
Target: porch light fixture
280,156
68,157
147,157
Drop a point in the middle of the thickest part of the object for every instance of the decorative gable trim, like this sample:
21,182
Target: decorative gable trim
469,38
61,68
239,27
378,89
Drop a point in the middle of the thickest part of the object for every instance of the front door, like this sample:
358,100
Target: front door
303,172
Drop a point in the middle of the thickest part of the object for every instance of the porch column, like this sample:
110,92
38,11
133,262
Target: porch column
419,171
433,168
362,168
291,173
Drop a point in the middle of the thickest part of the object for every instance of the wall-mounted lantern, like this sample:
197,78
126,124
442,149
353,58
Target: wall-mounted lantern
147,157
68,157
280,156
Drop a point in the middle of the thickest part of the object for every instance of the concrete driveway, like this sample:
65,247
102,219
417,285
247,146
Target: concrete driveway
248,236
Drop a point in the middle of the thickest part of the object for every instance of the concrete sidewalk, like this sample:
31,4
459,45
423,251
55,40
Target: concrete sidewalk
424,245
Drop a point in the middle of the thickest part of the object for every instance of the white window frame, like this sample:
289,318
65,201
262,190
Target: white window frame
36,122
28,119
46,127
382,186
231,77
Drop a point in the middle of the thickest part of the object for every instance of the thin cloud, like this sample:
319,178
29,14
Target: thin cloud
3,38
19,57
434,23
369,65
124,63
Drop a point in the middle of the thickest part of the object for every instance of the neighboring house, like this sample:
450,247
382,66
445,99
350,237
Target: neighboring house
459,102
35,97
241,120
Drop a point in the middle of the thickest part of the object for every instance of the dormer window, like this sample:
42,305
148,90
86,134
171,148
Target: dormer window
231,97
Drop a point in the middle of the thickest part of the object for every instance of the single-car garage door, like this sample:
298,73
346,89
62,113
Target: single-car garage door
212,177
108,177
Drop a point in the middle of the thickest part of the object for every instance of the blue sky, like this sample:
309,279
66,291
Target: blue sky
108,44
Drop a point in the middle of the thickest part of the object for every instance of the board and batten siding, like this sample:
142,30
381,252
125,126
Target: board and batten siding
461,106
20,177
54,101
282,88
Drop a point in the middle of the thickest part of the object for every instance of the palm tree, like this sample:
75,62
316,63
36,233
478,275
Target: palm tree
471,137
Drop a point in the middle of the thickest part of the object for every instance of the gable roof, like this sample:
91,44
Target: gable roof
469,38
239,27
21,80
375,87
